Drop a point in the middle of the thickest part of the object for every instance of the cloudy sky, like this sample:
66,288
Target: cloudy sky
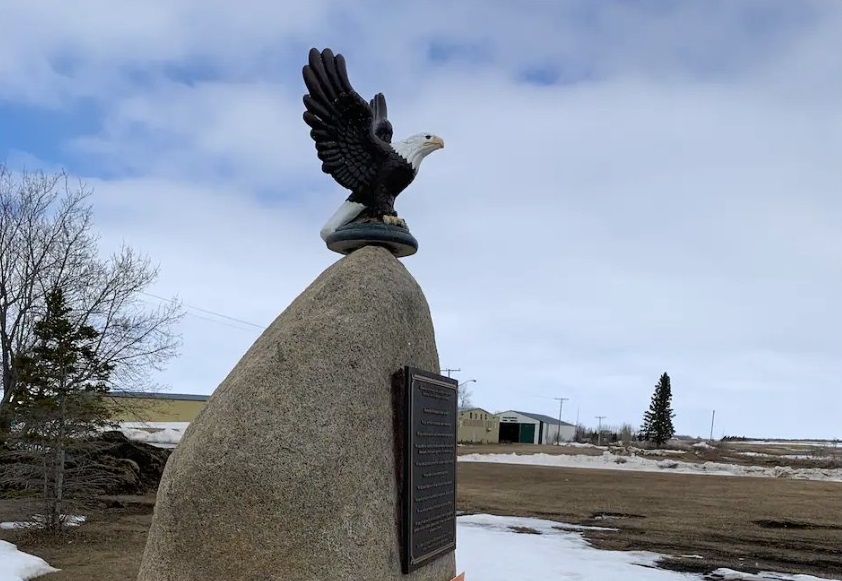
628,187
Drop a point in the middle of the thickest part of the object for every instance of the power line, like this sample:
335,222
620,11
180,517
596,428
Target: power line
212,320
208,311
216,321
448,371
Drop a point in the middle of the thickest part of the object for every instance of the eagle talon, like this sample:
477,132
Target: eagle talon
394,220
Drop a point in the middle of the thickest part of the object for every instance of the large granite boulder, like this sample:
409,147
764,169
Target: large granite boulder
289,472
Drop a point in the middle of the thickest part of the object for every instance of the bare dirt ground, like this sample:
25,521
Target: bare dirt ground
746,524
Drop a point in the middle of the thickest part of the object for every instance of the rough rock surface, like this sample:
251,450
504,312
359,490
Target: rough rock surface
289,471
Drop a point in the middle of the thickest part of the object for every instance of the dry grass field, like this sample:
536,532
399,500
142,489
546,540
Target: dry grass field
742,523
106,548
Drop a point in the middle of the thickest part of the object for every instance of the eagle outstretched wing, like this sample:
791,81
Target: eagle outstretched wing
382,125
352,136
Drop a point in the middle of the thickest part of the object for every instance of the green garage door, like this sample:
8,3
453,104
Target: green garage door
527,433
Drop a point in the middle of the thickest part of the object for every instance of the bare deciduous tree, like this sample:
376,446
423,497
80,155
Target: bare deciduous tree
463,395
46,242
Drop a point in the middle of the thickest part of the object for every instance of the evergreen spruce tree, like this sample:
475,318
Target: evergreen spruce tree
657,421
60,406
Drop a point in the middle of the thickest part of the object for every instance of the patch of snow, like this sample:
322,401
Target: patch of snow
70,520
489,550
703,445
165,436
583,445
563,526
607,461
787,456
178,426
655,452
724,574
160,434
18,566
821,443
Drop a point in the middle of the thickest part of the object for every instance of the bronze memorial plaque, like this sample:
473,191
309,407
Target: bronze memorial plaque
429,487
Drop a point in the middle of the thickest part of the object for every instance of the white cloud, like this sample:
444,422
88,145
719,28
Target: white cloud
674,208
215,128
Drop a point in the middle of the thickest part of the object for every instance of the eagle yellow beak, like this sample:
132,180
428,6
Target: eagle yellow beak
436,141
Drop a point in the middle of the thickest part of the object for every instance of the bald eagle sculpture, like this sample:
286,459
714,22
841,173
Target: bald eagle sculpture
354,142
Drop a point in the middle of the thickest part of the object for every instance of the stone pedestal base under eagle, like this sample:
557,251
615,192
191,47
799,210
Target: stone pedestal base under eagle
354,142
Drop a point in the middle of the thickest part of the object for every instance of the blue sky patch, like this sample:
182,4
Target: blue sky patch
442,51
550,74
44,132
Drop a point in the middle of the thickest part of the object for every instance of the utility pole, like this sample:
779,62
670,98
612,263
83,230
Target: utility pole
599,430
561,401
712,416
461,394
449,370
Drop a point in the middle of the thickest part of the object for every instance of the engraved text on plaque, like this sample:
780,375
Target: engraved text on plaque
429,467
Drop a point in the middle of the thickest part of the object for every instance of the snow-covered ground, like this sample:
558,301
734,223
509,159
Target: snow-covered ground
18,566
786,456
488,549
608,461
812,443
70,520
654,452
159,434
176,426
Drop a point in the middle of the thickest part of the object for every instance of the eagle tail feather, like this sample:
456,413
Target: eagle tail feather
343,215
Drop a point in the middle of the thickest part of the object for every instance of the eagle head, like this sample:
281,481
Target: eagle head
416,147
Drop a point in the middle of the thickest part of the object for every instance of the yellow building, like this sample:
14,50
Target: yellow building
478,426
156,407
